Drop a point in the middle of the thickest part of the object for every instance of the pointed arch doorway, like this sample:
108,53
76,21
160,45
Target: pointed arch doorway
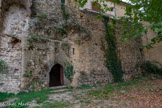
56,76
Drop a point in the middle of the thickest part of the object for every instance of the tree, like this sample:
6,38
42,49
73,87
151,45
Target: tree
139,11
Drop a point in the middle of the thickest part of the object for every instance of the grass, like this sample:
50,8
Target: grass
85,87
98,94
101,92
110,88
39,96
23,98
5,96
56,104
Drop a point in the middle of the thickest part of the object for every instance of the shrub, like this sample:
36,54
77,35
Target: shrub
150,67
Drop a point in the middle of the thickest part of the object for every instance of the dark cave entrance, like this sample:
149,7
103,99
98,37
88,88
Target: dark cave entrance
56,76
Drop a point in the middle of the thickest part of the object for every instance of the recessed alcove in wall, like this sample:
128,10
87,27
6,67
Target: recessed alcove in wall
73,51
14,21
14,42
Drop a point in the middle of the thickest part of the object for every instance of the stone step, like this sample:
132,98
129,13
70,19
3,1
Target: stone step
58,88
60,91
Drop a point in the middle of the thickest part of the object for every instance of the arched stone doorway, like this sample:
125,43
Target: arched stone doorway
56,76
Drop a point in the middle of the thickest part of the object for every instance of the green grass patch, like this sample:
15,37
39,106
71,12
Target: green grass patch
97,94
5,96
56,104
23,98
119,86
39,96
85,87
110,88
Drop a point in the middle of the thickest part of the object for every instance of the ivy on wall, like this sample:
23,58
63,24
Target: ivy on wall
65,17
3,66
151,68
113,62
69,73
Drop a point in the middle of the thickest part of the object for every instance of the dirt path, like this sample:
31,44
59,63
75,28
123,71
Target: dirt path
143,93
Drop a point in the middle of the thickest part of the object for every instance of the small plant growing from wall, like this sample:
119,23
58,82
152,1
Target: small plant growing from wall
69,72
35,37
27,74
3,66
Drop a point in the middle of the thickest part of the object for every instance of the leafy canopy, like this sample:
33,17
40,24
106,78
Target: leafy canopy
139,11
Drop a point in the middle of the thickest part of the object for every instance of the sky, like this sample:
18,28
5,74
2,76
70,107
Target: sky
125,0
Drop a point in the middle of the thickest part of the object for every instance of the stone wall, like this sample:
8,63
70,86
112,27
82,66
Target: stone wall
153,54
15,26
69,37
80,46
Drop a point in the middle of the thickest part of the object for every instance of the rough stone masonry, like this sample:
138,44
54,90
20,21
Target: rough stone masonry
57,34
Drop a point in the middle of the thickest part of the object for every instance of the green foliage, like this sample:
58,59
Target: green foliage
64,13
113,62
111,88
99,82
99,93
64,29
41,99
157,28
130,29
81,3
41,21
42,16
69,72
3,66
137,11
23,97
144,11
122,84
85,86
18,105
95,93
149,68
35,37
5,96
27,74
